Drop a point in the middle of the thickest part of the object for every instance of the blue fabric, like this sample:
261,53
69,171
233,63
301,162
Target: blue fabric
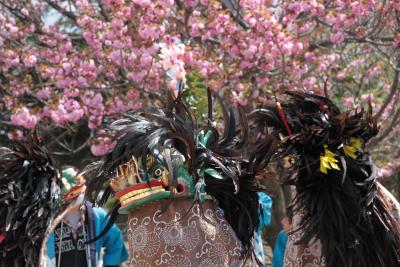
115,251
265,204
279,249
265,210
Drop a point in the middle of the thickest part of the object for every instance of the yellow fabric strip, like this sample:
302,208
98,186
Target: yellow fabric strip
137,192
142,195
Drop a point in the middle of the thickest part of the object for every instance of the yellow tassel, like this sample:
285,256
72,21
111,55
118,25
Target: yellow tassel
352,147
328,161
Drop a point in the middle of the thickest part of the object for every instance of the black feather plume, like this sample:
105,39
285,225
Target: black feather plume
29,191
343,208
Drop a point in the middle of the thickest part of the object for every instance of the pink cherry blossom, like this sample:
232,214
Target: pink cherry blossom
15,135
337,38
310,82
22,117
101,146
366,97
44,93
348,101
30,61
172,56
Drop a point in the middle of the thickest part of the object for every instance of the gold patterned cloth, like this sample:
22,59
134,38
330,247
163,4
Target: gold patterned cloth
182,235
310,255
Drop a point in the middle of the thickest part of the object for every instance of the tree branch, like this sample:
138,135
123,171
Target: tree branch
61,10
103,12
234,14
328,43
387,131
320,44
392,92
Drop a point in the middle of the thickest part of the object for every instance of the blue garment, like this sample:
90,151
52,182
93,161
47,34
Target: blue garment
279,249
115,251
265,203
265,210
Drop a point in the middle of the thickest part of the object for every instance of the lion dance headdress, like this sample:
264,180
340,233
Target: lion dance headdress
335,180
164,154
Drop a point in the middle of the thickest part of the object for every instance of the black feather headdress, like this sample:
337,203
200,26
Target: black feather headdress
335,180
166,142
29,190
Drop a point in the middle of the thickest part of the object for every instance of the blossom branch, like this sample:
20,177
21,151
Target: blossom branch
62,11
393,90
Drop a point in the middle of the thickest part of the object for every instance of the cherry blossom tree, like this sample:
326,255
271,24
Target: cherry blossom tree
69,67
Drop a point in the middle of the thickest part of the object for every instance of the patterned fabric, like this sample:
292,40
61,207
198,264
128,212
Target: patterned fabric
181,237
310,255
391,202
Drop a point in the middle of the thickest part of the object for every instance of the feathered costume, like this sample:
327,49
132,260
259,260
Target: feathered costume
342,216
163,154
29,189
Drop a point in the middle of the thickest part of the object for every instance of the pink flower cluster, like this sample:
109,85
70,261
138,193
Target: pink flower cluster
93,103
172,55
388,169
15,135
102,146
23,117
68,110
